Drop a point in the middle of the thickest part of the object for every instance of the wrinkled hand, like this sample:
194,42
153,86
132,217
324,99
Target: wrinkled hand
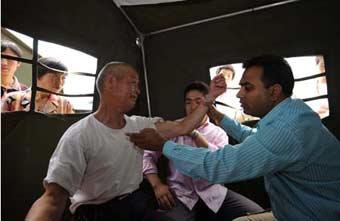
148,139
164,196
217,86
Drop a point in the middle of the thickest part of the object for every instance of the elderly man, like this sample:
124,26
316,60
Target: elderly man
290,147
95,163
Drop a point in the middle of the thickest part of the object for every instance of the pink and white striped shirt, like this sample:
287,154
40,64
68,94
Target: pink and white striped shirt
186,189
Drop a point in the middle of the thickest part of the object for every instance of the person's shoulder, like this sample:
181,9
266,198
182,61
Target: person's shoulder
23,86
81,126
214,128
210,125
299,109
141,122
18,95
22,92
78,135
294,116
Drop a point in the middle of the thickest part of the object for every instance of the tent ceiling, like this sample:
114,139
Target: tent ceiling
151,18
143,2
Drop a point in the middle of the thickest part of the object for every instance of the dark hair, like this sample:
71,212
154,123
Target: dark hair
12,46
196,86
50,65
227,67
276,70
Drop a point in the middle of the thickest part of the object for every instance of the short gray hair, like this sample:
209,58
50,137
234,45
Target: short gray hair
113,67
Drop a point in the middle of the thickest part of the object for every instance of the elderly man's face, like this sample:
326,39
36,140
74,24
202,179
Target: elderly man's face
125,90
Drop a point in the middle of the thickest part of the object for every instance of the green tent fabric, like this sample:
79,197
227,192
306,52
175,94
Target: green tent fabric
28,141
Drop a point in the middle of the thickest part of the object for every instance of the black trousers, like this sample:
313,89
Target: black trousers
234,205
137,206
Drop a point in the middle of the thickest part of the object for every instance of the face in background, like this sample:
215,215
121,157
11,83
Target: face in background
192,100
255,99
8,67
52,81
125,90
321,86
321,64
321,83
227,74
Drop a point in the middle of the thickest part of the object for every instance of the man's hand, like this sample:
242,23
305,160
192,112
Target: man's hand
217,86
164,196
148,139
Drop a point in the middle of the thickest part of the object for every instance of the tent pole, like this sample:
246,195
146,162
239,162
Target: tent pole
145,75
128,18
140,43
221,17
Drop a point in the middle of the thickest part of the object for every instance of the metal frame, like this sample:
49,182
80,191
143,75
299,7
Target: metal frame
141,36
34,88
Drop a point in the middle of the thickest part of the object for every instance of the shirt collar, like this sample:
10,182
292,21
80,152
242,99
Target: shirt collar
271,115
205,124
14,85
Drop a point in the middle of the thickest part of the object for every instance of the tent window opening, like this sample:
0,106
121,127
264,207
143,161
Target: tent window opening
63,83
310,85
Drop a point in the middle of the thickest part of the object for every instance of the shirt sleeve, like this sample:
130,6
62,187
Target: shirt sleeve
235,129
150,159
259,154
146,122
68,163
11,102
4,104
218,139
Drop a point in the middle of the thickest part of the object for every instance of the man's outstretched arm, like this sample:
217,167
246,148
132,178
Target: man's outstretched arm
170,129
254,157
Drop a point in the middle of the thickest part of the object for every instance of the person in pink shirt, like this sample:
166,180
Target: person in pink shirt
183,198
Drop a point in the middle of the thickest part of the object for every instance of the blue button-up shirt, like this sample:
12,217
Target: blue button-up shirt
298,157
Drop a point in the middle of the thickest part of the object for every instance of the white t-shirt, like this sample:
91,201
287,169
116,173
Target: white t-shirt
96,163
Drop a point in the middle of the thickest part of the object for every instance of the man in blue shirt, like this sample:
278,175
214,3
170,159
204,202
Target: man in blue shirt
290,147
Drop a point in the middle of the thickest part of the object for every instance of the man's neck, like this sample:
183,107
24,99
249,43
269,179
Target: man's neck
6,81
282,98
277,102
110,116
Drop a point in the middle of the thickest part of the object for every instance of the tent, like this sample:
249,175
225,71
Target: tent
170,44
